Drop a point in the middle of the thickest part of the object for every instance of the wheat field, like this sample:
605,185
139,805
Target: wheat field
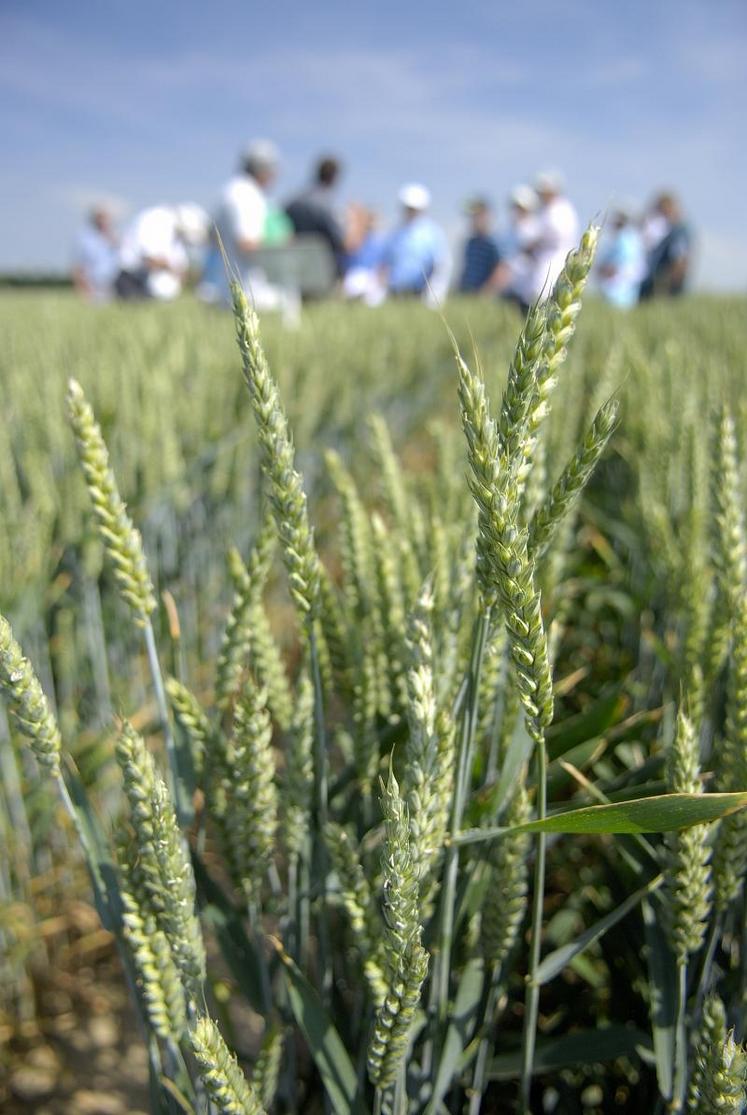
389,678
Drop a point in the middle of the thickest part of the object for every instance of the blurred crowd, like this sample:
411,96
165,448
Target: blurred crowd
643,254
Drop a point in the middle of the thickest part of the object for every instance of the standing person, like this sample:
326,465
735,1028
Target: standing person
154,256
668,262
240,225
416,261
622,261
481,254
313,210
514,277
557,233
95,260
654,227
362,279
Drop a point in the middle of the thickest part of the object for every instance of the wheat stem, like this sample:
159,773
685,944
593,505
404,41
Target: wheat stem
321,792
705,972
440,986
680,1039
481,1062
531,1009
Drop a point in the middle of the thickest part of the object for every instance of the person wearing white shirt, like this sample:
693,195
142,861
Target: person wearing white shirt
240,228
514,276
654,227
557,234
154,254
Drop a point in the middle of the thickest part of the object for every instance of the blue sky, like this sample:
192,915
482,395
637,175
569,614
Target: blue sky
150,102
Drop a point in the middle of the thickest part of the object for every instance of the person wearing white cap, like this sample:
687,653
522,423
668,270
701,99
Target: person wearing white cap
240,220
622,260
154,256
416,260
557,233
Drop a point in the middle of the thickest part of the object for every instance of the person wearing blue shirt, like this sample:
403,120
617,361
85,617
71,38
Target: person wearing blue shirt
362,281
622,262
95,264
481,255
415,260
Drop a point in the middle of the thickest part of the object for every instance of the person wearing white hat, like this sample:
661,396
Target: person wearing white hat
240,220
557,233
154,256
416,260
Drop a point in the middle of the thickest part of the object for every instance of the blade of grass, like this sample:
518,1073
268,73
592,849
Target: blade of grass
663,813
663,989
325,1044
556,961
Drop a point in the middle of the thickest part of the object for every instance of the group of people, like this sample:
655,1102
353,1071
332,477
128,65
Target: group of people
639,258
162,245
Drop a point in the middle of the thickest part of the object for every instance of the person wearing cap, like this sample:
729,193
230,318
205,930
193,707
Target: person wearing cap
96,261
622,262
557,233
668,262
241,219
481,254
416,260
154,256
312,212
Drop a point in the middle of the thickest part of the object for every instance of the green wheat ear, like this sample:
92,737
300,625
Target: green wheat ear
730,852
530,402
121,540
225,1082
164,869
266,1071
573,480
287,496
688,873
710,1033
730,537
505,570
428,807
299,771
723,1079
405,959
26,701
355,892
251,818
248,583
190,715
156,973
506,897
